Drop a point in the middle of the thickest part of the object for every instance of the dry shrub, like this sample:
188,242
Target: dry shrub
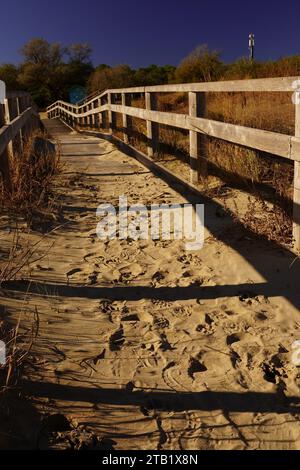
138,101
272,223
18,343
272,111
138,134
173,102
32,174
17,338
265,176
261,174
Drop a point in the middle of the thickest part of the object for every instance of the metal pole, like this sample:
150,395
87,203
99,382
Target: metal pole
251,46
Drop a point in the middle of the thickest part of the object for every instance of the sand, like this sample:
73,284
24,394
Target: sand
144,345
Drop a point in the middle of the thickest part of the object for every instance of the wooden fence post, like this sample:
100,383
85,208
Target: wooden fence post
80,119
100,116
111,114
93,117
4,157
8,119
105,115
20,133
126,120
296,199
152,127
198,166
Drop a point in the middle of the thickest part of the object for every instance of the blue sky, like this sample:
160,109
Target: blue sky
160,31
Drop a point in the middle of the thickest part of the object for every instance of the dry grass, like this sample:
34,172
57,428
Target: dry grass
266,177
272,223
32,174
18,340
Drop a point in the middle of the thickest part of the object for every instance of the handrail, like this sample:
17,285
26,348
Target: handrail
278,84
10,131
17,119
92,113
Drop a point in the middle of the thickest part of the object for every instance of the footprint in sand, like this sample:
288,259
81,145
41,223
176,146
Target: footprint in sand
88,256
195,366
72,272
234,338
93,278
158,277
116,340
165,345
44,268
130,271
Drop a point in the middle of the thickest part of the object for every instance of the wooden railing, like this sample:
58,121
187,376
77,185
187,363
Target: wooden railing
18,117
92,113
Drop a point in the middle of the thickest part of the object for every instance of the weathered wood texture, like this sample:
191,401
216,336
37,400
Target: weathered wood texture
4,157
152,126
17,119
296,200
274,143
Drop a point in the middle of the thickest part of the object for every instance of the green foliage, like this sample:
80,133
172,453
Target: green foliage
47,75
154,75
123,76
243,68
49,71
9,74
111,77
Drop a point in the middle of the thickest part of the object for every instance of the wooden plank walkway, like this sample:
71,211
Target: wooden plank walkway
145,344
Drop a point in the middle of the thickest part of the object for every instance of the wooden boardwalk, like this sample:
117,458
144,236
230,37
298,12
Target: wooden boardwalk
144,344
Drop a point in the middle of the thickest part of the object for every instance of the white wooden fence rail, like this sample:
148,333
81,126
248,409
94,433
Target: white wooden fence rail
93,111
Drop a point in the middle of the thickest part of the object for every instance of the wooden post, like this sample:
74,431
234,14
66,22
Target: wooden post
95,116
76,118
4,157
296,199
83,119
100,116
198,166
126,120
20,133
89,117
111,114
152,127
105,123
86,119
8,119
80,119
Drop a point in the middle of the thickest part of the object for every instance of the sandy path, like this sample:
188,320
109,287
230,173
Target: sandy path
149,345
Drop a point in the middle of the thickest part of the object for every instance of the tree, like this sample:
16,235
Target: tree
154,75
79,67
242,68
46,75
39,51
201,65
9,74
80,53
105,77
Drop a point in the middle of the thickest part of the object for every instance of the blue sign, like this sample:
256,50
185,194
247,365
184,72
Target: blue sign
77,93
